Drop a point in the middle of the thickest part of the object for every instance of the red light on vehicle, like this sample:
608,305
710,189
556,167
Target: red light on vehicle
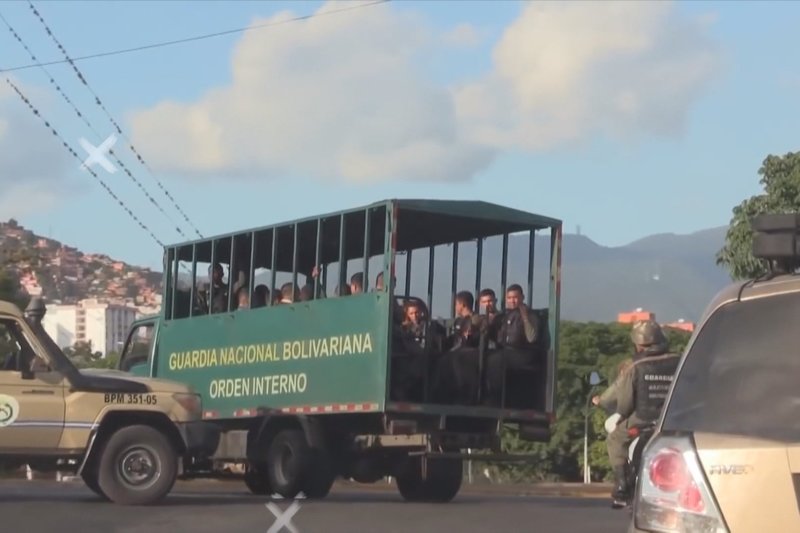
668,471
691,499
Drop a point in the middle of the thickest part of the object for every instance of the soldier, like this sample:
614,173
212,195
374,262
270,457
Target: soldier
640,392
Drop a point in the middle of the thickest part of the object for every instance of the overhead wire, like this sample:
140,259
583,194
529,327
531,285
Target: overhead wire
99,102
74,154
199,37
89,124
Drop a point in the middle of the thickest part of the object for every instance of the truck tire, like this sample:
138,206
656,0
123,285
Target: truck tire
440,486
90,479
256,478
320,477
138,466
289,460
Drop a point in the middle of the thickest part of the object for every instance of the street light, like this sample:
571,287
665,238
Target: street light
594,380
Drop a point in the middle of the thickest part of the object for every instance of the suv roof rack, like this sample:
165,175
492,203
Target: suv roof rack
777,241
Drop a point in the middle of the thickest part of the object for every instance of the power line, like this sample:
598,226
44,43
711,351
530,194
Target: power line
197,37
66,145
86,121
83,80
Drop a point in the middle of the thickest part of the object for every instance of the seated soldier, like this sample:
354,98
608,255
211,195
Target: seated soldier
518,330
457,375
408,353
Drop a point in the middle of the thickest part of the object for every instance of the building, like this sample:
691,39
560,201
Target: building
103,324
634,316
681,324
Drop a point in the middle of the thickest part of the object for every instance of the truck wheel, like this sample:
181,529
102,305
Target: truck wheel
257,480
289,459
90,479
442,483
138,466
320,477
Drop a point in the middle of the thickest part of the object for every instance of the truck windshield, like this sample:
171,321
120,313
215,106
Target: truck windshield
740,375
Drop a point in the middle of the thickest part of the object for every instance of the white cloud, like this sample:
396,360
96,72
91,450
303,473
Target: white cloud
463,35
568,71
32,160
343,97
331,97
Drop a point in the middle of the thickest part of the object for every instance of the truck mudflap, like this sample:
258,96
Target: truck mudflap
201,438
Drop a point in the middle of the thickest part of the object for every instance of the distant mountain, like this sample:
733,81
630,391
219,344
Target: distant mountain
671,275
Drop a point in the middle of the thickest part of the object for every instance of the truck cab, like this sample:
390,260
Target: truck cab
128,437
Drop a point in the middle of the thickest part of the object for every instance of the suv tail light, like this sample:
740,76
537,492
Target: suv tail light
672,493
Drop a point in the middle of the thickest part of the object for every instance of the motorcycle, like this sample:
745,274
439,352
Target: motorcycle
640,435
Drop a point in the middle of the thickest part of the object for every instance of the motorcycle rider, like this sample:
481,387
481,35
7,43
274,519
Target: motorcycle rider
638,397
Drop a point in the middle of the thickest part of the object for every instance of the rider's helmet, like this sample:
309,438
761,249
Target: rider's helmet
647,333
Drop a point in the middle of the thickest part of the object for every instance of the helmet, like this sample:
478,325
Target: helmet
647,333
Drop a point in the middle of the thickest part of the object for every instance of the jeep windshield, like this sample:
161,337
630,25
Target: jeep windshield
740,376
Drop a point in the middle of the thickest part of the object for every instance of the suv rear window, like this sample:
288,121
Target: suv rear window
742,374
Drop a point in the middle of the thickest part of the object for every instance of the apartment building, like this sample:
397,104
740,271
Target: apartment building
103,324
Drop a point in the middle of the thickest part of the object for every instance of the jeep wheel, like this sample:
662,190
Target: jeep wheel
138,466
288,459
90,479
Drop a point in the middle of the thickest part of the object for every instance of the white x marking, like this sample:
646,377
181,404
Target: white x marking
283,518
98,154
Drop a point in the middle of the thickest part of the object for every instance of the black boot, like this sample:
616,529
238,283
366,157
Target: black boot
620,494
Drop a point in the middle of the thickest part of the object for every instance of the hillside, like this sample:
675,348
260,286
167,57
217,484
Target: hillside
64,274
672,275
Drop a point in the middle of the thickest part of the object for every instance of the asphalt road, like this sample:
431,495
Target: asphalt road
45,506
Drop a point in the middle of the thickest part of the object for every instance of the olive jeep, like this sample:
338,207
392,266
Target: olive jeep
128,438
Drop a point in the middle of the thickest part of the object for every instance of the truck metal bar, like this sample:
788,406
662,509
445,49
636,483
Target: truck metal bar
430,281
251,276
531,257
408,274
295,238
454,284
231,273
318,259
192,294
211,276
174,285
366,250
273,266
342,262
504,272
478,265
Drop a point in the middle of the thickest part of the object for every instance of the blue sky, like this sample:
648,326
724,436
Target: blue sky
626,119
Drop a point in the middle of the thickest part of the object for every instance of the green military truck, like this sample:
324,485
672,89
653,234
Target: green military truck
309,383
128,437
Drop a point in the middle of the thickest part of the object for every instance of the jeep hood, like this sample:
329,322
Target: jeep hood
119,381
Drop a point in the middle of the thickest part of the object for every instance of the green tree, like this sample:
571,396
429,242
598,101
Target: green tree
780,178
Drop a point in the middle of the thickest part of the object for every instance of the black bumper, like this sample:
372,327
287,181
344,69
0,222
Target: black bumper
201,438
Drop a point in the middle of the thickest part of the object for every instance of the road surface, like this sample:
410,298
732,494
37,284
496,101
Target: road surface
204,506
